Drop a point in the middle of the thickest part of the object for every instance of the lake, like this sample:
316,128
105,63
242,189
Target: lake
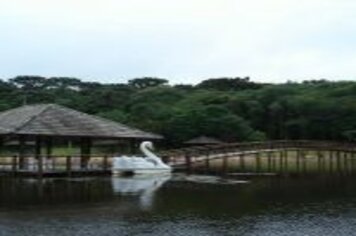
179,205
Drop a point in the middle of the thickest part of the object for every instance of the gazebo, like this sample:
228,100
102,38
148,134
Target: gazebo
41,124
203,140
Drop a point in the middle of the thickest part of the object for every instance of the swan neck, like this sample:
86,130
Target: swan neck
146,151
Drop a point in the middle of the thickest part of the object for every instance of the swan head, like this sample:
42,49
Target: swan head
147,144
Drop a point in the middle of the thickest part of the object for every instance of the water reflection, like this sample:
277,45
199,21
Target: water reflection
179,205
142,186
208,179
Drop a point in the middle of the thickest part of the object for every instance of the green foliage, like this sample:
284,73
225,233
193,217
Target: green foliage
142,83
228,84
230,109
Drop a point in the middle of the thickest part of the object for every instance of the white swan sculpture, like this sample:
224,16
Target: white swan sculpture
149,164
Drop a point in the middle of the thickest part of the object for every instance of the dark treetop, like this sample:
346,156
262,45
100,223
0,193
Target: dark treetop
203,140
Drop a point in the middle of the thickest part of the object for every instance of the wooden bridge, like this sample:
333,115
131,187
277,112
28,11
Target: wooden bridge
264,158
252,158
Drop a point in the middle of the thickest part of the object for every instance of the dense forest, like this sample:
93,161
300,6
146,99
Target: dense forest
231,109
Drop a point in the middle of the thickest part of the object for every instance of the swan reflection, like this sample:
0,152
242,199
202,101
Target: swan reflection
140,185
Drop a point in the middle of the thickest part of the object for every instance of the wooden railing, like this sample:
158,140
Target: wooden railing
54,164
183,157
187,156
279,144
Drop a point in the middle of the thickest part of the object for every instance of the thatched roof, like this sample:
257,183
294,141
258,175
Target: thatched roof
203,140
56,120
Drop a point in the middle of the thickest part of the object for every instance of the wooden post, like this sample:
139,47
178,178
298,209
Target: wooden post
269,161
69,165
188,162
49,147
40,166
85,152
21,152
105,163
132,146
207,162
353,161
38,156
14,165
38,145
49,152
324,161
304,161
286,160
242,162
224,164
346,164
319,160
274,168
331,161
258,162
281,161
338,161
298,160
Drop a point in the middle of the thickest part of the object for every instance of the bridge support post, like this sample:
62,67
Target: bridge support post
346,163
224,165
274,161
258,162
331,161
353,161
320,156
269,160
242,162
338,161
286,160
68,165
14,165
304,158
298,154
207,162
188,162
281,161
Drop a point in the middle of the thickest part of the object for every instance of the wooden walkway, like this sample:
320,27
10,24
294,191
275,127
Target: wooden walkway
274,156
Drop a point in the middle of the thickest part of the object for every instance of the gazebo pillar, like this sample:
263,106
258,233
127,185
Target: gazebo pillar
22,141
38,155
132,146
49,144
38,146
49,159
85,152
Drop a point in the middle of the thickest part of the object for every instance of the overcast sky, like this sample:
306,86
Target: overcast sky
182,40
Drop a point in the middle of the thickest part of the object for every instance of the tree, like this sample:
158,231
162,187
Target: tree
28,83
226,84
142,83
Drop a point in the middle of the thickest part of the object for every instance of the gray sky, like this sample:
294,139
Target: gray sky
182,40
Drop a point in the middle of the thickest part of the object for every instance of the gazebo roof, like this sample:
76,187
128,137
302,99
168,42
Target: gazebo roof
56,120
203,140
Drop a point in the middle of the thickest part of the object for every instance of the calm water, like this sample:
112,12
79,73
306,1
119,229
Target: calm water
181,205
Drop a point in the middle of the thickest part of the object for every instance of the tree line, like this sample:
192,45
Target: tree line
230,109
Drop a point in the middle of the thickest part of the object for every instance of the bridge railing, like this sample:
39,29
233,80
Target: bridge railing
196,151
275,151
